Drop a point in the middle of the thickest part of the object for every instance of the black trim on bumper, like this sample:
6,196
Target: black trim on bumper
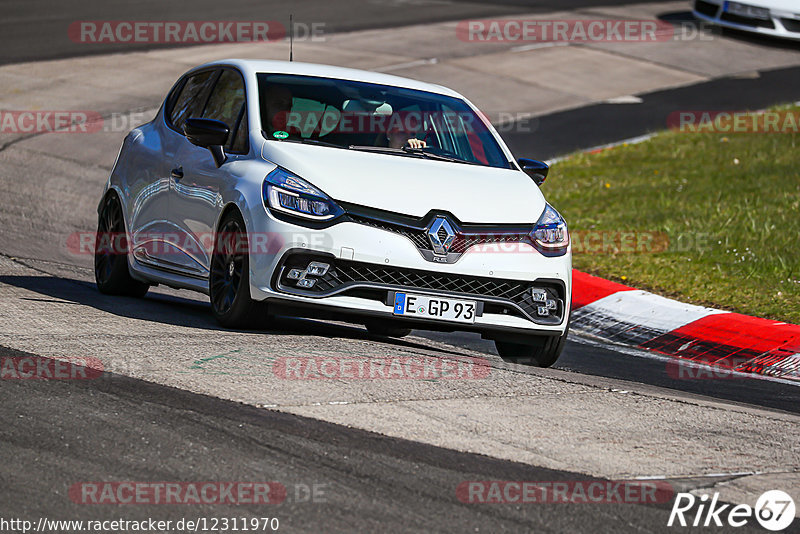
375,281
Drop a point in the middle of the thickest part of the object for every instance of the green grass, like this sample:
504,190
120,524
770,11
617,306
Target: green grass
738,195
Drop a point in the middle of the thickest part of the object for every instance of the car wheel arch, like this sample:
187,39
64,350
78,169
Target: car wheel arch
226,209
114,190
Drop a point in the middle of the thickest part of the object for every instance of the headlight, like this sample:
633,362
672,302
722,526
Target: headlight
550,234
286,193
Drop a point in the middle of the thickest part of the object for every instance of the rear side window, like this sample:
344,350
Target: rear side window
189,100
227,104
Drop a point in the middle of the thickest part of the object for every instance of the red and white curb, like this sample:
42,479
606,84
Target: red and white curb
720,339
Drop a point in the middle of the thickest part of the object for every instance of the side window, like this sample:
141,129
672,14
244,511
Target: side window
189,99
227,104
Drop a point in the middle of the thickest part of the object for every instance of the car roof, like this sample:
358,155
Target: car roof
251,67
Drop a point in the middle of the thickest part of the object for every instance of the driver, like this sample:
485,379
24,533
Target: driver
400,135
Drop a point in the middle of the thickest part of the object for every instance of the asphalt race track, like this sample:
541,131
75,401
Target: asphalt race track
129,429
604,123
32,31
183,399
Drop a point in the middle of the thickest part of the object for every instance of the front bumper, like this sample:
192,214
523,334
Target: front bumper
783,24
369,263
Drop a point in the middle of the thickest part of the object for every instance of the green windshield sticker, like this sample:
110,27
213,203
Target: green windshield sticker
280,135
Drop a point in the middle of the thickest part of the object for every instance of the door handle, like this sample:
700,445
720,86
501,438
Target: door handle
177,173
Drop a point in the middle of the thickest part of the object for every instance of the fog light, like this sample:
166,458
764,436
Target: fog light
542,311
551,305
295,274
539,295
306,283
316,268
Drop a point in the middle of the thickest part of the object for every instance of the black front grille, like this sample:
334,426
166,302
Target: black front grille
791,25
706,8
465,237
349,276
747,21
418,236
464,242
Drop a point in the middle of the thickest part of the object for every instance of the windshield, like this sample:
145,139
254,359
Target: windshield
378,118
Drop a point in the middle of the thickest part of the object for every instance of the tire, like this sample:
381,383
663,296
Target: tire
111,271
544,355
379,328
229,281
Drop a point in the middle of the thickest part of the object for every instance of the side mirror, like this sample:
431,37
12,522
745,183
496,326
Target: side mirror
537,170
210,134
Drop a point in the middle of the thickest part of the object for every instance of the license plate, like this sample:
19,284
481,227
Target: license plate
744,10
429,307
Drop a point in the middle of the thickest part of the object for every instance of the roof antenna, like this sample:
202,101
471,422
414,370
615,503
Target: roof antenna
291,38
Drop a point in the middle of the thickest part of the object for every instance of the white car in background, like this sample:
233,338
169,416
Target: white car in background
299,189
778,18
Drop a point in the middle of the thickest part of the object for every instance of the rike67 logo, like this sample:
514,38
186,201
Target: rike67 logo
774,510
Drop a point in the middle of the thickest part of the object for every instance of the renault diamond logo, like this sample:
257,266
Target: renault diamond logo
441,235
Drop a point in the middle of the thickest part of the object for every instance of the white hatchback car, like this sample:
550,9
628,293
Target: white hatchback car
299,189
778,18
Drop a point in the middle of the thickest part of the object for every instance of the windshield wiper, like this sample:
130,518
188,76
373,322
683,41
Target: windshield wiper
408,151
433,155
381,149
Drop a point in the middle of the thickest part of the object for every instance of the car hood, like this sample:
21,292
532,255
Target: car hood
413,186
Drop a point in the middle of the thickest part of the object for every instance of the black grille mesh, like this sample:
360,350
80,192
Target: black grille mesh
706,8
418,237
463,242
747,21
792,25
